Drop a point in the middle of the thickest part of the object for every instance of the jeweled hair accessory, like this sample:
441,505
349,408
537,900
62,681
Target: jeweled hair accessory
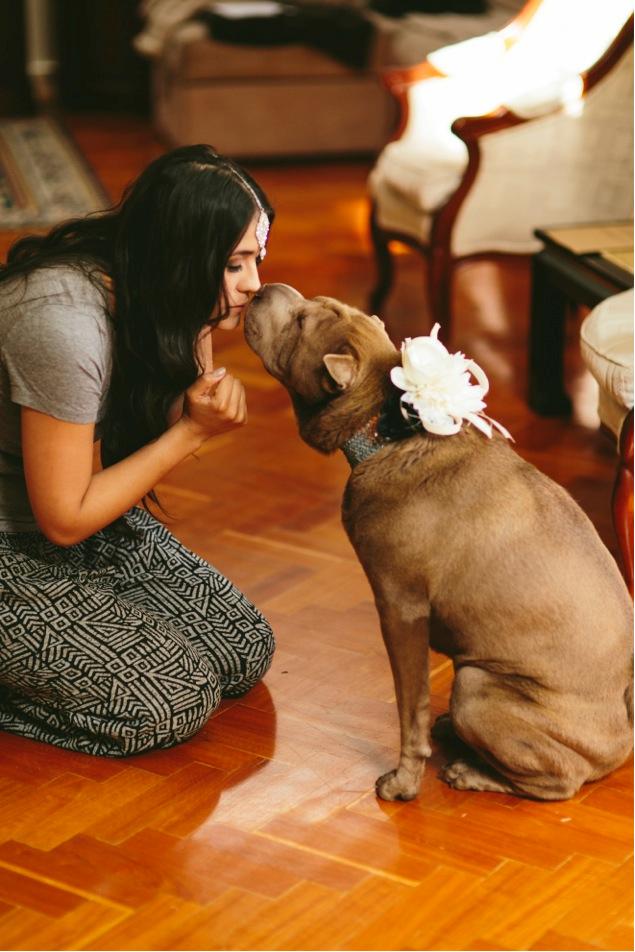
262,225
437,385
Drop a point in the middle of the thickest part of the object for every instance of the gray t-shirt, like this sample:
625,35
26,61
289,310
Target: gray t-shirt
55,357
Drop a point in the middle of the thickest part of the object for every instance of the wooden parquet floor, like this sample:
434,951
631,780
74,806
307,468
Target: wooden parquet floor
263,831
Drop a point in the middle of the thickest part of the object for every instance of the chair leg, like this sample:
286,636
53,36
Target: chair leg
440,268
385,266
623,500
547,340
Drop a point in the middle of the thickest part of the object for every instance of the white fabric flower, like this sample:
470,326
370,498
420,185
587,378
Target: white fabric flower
437,385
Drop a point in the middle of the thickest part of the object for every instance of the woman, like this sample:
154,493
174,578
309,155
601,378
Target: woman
114,638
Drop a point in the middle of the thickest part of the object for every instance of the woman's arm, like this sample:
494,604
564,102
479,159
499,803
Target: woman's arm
70,502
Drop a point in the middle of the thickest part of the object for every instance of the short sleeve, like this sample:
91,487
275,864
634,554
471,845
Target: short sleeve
57,359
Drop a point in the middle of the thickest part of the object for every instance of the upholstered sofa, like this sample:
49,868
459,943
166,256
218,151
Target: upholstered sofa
287,100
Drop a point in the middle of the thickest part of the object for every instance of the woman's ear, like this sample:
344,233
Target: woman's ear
342,369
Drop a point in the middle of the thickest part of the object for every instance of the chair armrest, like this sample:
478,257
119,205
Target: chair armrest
469,128
461,57
559,92
562,92
468,56
566,90
398,80
550,98
619,46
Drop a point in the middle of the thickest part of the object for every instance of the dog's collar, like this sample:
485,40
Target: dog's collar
381,430
364,443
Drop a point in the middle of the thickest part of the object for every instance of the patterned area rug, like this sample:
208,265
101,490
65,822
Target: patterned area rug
44,179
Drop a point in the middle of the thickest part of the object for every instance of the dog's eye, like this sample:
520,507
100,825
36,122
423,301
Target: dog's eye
300,319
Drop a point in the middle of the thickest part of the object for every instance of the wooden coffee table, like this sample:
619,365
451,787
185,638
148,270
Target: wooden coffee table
579,264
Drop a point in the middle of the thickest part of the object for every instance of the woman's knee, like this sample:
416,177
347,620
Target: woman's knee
256,662
169,722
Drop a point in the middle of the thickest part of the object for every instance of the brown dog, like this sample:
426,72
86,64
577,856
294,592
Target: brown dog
470,549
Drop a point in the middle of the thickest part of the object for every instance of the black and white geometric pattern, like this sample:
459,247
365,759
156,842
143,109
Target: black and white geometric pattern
119,645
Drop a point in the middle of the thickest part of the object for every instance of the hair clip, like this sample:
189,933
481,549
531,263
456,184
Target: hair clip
262,225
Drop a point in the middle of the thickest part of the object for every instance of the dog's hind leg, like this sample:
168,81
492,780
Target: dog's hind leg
404,627
469,774
512,753
464,771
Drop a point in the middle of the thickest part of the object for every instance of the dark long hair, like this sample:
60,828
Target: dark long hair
165,246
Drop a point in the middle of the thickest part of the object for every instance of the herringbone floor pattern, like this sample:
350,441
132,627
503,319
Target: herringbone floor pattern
263,831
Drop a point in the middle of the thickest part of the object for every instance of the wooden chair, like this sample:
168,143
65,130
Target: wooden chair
502,134
606,343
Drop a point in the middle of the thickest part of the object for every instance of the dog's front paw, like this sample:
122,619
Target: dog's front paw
397,785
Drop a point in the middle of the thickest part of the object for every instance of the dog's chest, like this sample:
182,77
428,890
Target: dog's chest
388,523
442,638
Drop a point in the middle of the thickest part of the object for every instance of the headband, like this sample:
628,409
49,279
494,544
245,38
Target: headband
262,225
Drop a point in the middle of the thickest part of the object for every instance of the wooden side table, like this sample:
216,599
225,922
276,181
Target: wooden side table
580,264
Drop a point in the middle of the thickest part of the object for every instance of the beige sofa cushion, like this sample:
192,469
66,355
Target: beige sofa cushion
206,59
606,342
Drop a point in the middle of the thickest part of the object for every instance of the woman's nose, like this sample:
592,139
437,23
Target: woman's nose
251,282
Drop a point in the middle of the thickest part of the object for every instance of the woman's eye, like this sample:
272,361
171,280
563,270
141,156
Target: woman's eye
234,268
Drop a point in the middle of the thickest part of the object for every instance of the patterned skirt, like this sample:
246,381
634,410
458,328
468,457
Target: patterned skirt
120,644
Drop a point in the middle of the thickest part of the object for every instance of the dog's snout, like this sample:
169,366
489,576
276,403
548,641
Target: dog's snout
271,290
271,302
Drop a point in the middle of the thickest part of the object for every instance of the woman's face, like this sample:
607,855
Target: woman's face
241,276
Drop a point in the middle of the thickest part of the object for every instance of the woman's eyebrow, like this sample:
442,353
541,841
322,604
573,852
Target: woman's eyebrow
243,254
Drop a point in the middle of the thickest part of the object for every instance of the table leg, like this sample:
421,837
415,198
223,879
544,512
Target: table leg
547,342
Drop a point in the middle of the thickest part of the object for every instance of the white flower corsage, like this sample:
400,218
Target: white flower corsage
437,385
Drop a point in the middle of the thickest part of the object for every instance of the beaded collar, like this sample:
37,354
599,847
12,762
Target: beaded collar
381,430
364,443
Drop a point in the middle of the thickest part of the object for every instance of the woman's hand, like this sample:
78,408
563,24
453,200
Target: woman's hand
215,403
205,359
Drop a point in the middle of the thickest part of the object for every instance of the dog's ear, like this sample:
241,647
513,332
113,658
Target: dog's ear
342,369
